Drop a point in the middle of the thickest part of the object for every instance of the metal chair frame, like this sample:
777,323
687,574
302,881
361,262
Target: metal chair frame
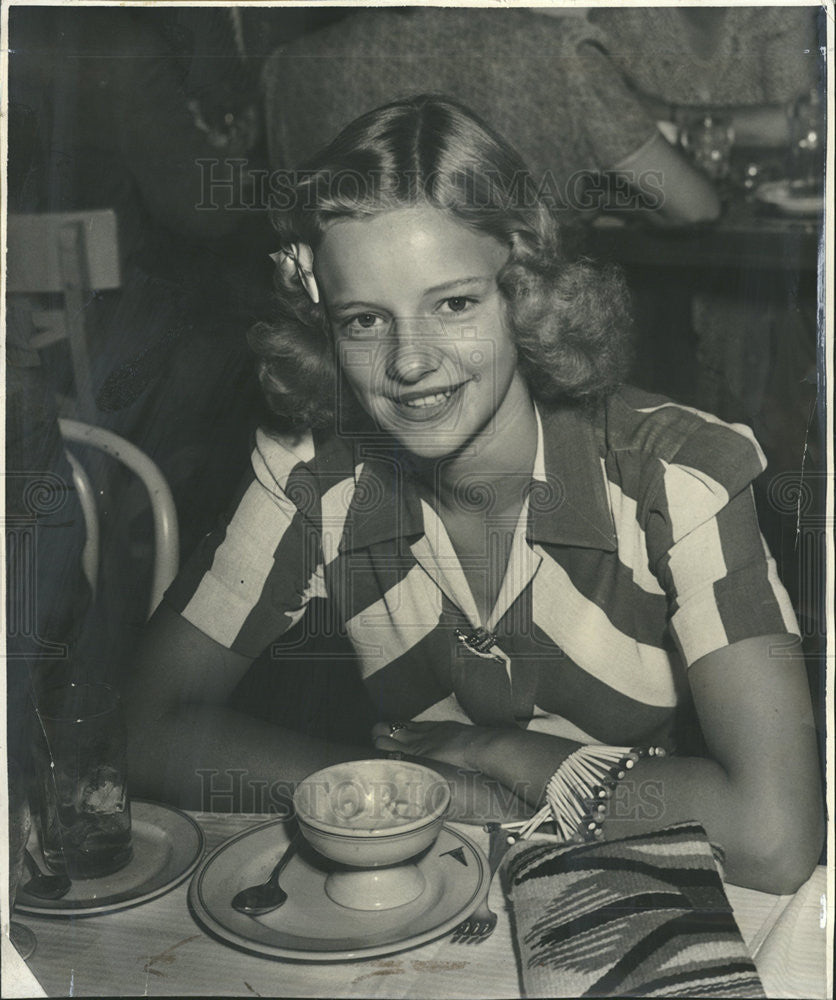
166,530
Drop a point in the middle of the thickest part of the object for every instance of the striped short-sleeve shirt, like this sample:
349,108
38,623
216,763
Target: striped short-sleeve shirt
636,553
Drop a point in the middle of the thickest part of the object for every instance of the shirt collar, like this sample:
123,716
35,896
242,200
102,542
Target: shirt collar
568,502
383,507
567,499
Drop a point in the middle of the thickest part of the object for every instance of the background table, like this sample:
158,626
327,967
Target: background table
158,950
746,237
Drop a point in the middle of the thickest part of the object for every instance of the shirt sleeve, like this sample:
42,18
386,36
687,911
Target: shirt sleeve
613,116
252,578
706,548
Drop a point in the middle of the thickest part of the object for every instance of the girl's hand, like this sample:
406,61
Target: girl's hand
519,760
451,742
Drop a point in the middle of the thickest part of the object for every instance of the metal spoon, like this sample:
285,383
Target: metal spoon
269,895
44,886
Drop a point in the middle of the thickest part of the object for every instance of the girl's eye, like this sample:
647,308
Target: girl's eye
364,323
459,303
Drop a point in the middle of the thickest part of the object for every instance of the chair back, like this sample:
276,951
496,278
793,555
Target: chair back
69,254
166,532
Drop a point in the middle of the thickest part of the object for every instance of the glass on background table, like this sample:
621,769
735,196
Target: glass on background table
157,948
708,141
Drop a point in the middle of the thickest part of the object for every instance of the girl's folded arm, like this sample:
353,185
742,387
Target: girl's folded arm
754,707
186,746
758,793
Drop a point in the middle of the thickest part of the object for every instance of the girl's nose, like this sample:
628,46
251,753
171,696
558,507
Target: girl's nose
410,364
413,354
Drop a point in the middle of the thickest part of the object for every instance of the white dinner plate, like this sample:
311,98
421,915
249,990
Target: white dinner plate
167,845
790,198
310,926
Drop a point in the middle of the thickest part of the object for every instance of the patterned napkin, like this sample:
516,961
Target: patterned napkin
645,916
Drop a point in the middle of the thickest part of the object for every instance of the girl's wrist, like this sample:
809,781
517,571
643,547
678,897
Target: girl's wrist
517,757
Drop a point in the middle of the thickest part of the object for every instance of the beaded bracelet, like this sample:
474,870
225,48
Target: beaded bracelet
579,791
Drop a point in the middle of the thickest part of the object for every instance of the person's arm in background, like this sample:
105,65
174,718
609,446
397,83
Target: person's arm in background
767,126
679,193
760,125
623,138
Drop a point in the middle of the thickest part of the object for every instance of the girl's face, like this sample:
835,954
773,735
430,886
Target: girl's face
420,325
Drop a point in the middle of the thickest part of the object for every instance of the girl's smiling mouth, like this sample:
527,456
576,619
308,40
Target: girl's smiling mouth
424,404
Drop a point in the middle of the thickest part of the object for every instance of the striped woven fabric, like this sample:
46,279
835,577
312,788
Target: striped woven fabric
645,916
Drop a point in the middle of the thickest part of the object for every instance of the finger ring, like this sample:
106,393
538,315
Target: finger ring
396,727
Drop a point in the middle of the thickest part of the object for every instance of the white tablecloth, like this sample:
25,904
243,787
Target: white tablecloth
158,950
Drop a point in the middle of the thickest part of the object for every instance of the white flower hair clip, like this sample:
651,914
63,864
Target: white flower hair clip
297,260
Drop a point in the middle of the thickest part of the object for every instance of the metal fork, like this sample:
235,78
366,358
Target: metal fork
481,923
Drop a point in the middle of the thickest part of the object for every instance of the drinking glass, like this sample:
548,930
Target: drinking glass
80,763
708,142
20,823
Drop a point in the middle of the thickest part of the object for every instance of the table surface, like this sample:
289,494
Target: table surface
157,949
745,237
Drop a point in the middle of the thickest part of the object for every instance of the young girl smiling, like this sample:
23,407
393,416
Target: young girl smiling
539,568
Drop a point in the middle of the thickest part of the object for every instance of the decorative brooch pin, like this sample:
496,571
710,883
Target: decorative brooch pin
481,642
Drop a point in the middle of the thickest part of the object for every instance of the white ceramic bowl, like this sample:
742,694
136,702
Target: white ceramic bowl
371,813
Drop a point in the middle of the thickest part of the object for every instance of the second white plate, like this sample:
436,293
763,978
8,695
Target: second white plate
790,199
310,926
167,844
